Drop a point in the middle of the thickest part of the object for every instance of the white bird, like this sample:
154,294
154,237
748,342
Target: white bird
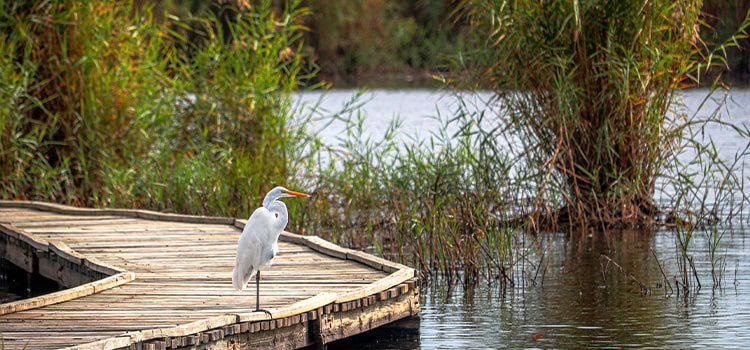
258,244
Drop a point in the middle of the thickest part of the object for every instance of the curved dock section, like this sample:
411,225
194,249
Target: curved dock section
139,279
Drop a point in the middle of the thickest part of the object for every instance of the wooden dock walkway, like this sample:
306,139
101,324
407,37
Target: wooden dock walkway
146,280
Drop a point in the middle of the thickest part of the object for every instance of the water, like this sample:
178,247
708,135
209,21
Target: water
421,110
575,306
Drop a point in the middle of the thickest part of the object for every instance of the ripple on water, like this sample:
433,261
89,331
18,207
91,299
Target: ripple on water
576,308
571,312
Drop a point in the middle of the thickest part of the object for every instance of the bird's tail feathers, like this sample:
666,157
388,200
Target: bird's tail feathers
240,278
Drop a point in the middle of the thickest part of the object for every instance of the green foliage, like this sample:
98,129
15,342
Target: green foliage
587,87
105,106
443,204
726,17
368,39
83,96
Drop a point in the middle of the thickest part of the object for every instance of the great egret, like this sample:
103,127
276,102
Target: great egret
257,245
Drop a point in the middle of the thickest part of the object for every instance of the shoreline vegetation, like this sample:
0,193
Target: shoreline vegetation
358,42
126,104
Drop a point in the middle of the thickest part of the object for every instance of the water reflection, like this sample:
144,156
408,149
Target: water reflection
579,306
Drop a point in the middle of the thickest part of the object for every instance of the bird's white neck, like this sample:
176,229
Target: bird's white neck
281,217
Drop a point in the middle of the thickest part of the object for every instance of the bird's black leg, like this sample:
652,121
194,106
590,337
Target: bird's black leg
257,294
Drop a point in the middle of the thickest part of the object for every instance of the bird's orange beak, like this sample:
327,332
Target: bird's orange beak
296,194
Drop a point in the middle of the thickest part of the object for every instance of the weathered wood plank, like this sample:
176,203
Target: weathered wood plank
104,344
146,214
335,326
321,245
384,283
297,308
182,296
189,328
67,294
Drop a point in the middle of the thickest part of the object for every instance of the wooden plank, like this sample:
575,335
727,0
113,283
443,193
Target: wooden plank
153,215
374,261
21,257
100,266
183,294
384,283
76,221
8,229
13,231
62,250
335,326
96,230
294,336
68,294
104,344
147,214
290,237
321,245
184,329
240,223
318,301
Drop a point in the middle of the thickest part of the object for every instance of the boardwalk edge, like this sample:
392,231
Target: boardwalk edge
67,294
393,297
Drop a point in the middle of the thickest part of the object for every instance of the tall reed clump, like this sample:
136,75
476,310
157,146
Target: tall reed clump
77,98
103,105
586,86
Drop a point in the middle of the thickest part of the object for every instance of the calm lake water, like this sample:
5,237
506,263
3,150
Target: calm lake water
574,304
578,307
421,111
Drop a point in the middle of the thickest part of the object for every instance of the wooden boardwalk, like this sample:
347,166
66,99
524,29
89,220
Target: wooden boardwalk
145,280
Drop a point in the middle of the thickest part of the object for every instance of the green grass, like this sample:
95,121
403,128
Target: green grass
107,106
442,204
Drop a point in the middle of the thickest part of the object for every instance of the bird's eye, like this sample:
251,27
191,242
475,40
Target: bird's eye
277,214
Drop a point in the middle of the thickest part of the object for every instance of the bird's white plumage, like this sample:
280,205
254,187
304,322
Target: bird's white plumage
258,245
254,251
